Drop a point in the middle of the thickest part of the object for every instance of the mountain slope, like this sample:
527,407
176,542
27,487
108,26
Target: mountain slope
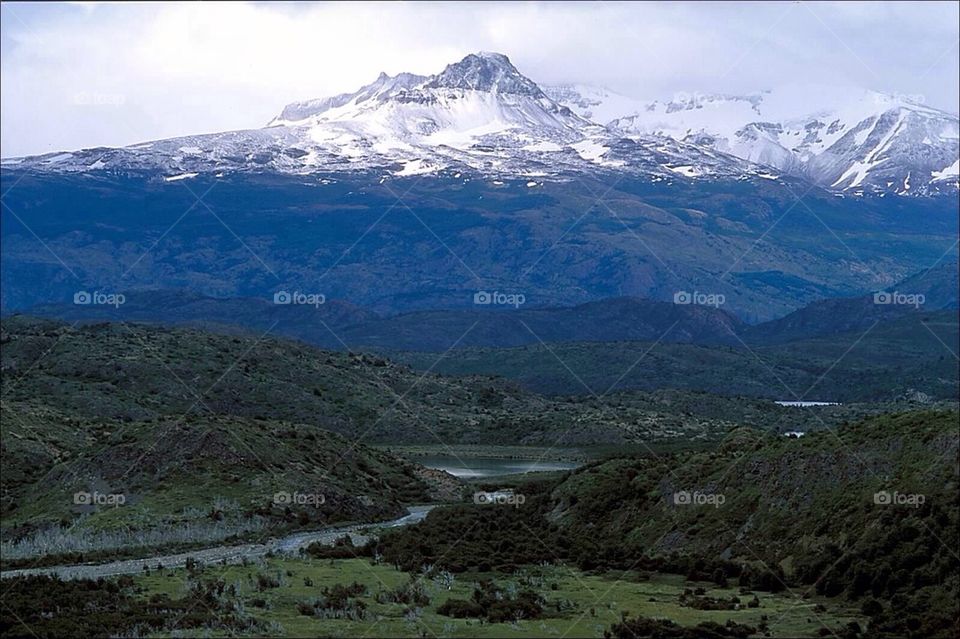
196,479
382,86
845,139
348,237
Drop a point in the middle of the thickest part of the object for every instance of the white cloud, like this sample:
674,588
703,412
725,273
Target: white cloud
85,75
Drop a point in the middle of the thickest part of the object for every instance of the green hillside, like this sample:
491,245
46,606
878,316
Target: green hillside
133,373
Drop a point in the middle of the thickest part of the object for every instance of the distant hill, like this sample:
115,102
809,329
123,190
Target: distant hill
255,315
615,319
123,373
937,286
339,325
908,357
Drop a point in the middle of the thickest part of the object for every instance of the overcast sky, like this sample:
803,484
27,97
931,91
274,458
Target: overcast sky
80,74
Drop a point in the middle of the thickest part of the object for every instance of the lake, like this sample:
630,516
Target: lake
469,467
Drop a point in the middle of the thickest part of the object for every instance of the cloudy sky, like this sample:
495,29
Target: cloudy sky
82,74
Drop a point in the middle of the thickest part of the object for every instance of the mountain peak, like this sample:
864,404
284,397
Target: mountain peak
493,55
485,71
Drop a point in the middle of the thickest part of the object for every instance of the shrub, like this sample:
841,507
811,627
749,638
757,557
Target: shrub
412,593
461,609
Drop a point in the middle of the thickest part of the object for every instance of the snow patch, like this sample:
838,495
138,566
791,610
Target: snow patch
686,171
543,147
415,167
859,170
946,173
182,176
60,157
590,150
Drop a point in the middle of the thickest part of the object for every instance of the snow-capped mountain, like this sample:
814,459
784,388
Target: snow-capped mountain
851,140
479,114
482,115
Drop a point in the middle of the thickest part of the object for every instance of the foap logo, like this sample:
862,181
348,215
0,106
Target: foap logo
698,298
691,99
885,498
83,498
886,99
99,298
284,498
496,298
696,498
915,300
299,298
499,498
86,98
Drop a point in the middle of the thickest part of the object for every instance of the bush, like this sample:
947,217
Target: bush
266,582
461,609
496,605
337,602
412,593
871,607
86,608
639,627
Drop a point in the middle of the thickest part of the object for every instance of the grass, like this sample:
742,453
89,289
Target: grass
590,602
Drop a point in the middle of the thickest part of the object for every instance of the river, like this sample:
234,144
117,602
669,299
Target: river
291,544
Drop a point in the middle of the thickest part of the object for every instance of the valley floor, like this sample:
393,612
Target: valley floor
589,603
576,603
